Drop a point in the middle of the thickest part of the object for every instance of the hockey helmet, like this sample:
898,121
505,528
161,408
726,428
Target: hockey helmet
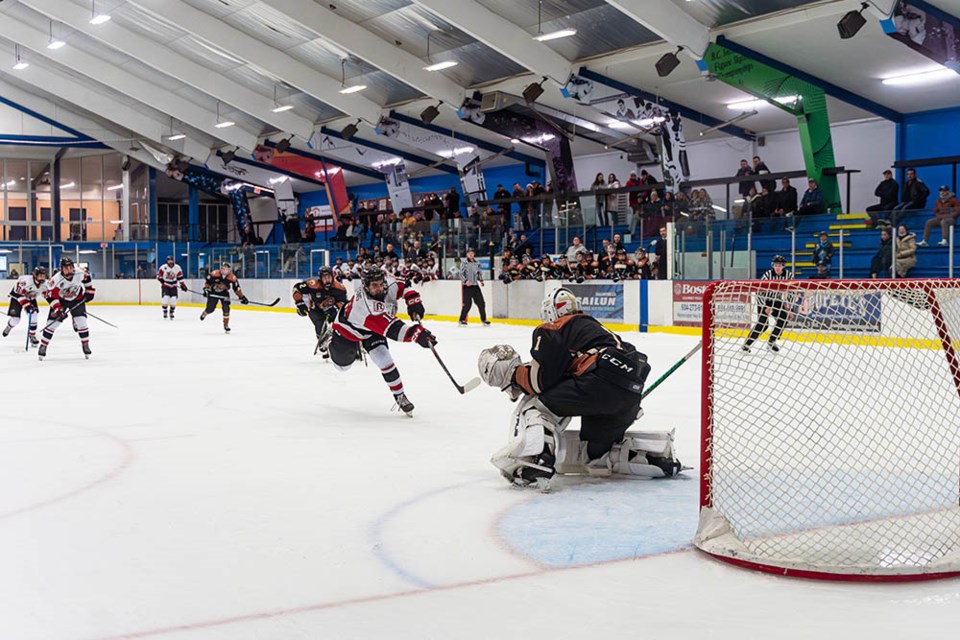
778,259
225,268
557,304
324,271
373,275
170,260
67,262
40,274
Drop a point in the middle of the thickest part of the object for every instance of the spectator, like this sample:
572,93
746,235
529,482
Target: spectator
763,207
519,193
617,241
823,273
889,193
635,198
503,208
811,204
536,205
651,209
669,208
760,168
745,185
613,199
914,197
524,247
747,210
597,187
388,252
659,249
945,213
823,252
574,250
906,251
310,227
883,258
785,200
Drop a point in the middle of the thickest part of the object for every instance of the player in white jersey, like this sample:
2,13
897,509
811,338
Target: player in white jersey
25,295
68,293
170,276
369,318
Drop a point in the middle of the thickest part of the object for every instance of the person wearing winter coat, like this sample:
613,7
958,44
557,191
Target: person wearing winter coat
823,252
906,251
913,198
945,213
883,258
889,193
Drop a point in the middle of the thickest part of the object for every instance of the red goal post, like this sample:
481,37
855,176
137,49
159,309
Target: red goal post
836,456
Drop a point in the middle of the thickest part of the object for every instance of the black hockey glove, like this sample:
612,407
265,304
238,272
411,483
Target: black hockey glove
423,337
183,286
301,308
243,300
206,292
88,296
58,312
415,309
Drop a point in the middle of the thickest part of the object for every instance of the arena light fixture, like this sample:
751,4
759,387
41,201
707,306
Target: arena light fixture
222,124
354,88
54,43
437,66
19,63
920,77
555,35
733,120
744,105
851,23
115,187
277,107
176,136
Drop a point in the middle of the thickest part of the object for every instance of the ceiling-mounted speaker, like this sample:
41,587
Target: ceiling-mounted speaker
851,23
284,144
429,114
667,63
349,131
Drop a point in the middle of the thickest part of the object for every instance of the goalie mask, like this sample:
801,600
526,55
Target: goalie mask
560,303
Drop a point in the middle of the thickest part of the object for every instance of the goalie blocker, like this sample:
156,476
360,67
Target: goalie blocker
578,368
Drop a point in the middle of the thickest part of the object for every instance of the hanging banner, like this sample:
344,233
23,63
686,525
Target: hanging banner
471,180
271,180
315,169
398,186
927,34
648,117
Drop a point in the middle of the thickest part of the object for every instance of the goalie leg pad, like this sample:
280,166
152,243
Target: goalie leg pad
647,454
536,442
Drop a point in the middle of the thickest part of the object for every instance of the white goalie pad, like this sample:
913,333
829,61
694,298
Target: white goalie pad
647,454
533,427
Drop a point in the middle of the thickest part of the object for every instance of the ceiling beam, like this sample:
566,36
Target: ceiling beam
502,36
173,64
100,71
409,157
354,39
34,104
668,21
260,54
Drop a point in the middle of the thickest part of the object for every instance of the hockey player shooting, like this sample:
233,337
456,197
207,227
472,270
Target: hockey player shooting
578,368
320,299
369,318
25,296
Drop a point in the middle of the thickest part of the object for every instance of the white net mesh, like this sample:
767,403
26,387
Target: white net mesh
839,453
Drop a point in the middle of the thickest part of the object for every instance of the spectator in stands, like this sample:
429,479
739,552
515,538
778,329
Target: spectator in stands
599,184
889,193
914,197
906,251
613,200
574,250
823,252
617,242
389,252
659,249
785,200
524,247
536,206
945,213
681,203
823,273
745,185
763,207
883,258
811,204
746,209
519,192
635,198
503,208
310,227
760,168
651,209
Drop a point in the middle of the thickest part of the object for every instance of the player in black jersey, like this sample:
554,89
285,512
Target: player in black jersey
320,299
771,304
578,368
216,290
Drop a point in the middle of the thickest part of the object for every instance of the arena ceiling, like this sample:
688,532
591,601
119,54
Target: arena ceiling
160,67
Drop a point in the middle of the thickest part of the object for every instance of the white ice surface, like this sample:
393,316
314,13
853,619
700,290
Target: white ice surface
192,485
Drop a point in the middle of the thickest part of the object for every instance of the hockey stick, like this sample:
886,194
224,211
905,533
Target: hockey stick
227,297
671,370
471,384
109,324
29,322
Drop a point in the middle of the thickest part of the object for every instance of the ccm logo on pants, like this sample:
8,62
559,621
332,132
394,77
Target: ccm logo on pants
623,366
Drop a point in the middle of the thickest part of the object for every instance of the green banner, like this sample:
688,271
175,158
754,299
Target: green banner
778,88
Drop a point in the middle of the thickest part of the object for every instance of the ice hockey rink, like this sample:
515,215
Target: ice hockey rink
192,485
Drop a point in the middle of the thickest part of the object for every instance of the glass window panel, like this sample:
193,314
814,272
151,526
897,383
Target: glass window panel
69,183
91,184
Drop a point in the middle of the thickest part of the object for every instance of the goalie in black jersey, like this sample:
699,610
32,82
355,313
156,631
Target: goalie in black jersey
772,303
578,368
320,299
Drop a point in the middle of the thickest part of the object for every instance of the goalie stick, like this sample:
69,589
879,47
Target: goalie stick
670,371
471,384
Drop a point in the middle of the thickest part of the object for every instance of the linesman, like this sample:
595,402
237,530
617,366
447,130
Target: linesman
471,279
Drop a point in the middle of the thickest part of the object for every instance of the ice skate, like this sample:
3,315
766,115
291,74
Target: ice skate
6,331
404,404
86,350
42,352
773,346
203,314
164,314
33,340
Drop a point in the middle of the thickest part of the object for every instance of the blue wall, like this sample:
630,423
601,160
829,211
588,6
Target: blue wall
505,175
930,134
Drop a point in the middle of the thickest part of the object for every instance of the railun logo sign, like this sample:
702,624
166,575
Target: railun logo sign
602,301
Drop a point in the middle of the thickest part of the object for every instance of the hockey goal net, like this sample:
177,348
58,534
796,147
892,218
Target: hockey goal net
838,455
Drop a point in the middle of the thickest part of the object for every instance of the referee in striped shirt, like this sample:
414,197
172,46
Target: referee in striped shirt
471,279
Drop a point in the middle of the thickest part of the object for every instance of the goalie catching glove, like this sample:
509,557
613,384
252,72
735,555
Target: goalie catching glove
497,366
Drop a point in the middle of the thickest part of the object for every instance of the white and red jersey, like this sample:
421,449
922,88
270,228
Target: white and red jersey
363,316
69,290
26,290
169,276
